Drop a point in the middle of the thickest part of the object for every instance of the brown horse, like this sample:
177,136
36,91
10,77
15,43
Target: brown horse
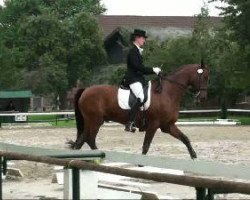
99,103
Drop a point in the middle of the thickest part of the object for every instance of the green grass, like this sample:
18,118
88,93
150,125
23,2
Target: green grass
55,121
41,118
64,124
244,120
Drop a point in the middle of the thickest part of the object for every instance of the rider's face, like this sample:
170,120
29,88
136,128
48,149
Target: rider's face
140,40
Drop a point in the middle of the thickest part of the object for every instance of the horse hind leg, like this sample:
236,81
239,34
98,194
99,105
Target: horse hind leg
88,134
80,140
78,143
80,122
175,132
91,132
91,139
81,136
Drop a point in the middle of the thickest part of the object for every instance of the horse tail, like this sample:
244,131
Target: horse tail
78,115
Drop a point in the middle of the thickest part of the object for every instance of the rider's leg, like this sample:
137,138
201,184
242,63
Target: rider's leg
137,89
130,126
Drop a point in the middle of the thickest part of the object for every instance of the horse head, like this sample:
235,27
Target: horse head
199,81
195,75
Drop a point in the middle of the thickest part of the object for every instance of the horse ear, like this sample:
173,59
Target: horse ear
202,63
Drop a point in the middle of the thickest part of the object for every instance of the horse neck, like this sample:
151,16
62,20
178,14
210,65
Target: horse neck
177,88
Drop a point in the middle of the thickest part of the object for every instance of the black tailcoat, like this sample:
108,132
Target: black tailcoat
135,67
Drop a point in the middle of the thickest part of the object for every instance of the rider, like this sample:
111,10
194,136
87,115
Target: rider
135,74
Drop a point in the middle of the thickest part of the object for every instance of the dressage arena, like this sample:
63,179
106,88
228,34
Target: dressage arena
227,144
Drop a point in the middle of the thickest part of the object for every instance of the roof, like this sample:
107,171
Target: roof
114,36
15,94
110,22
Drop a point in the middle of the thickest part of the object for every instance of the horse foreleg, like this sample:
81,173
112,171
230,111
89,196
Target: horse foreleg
175,132
149,135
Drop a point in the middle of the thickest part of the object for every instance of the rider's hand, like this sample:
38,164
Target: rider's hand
156,70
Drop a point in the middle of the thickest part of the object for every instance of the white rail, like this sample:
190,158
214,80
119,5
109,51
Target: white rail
72,113
238,110
37,114
200,111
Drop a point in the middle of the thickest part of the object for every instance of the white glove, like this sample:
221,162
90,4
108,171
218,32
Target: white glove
156,70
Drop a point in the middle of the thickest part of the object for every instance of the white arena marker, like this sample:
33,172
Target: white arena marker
158,170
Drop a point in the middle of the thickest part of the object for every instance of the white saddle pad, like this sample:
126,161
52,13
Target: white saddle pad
123,98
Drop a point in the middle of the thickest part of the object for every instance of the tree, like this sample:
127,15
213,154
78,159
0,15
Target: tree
10,76
236,15
51,43
171,54
202,33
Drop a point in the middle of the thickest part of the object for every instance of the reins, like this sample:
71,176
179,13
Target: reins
175,82
161,77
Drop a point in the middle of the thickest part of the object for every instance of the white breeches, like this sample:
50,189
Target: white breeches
137,89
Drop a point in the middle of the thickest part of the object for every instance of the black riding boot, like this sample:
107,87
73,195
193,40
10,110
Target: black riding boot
130,126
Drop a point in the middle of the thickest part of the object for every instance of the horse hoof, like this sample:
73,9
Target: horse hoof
78,145
131,129
193,156
70,144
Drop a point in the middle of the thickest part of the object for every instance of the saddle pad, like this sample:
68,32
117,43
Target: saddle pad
123,98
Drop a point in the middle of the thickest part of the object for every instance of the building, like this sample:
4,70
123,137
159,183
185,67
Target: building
160,27
15,100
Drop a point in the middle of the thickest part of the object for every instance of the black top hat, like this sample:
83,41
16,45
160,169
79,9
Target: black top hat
139,32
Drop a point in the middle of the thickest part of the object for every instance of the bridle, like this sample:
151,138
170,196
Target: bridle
200,72
161,76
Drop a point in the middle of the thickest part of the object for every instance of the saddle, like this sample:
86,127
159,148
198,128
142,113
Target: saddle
126,97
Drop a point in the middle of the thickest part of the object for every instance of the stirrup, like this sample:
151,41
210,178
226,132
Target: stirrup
130,127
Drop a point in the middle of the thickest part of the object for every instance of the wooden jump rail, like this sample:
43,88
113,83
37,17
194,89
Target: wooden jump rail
200,183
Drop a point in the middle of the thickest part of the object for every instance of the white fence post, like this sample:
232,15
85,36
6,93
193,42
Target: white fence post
88,184
67,184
